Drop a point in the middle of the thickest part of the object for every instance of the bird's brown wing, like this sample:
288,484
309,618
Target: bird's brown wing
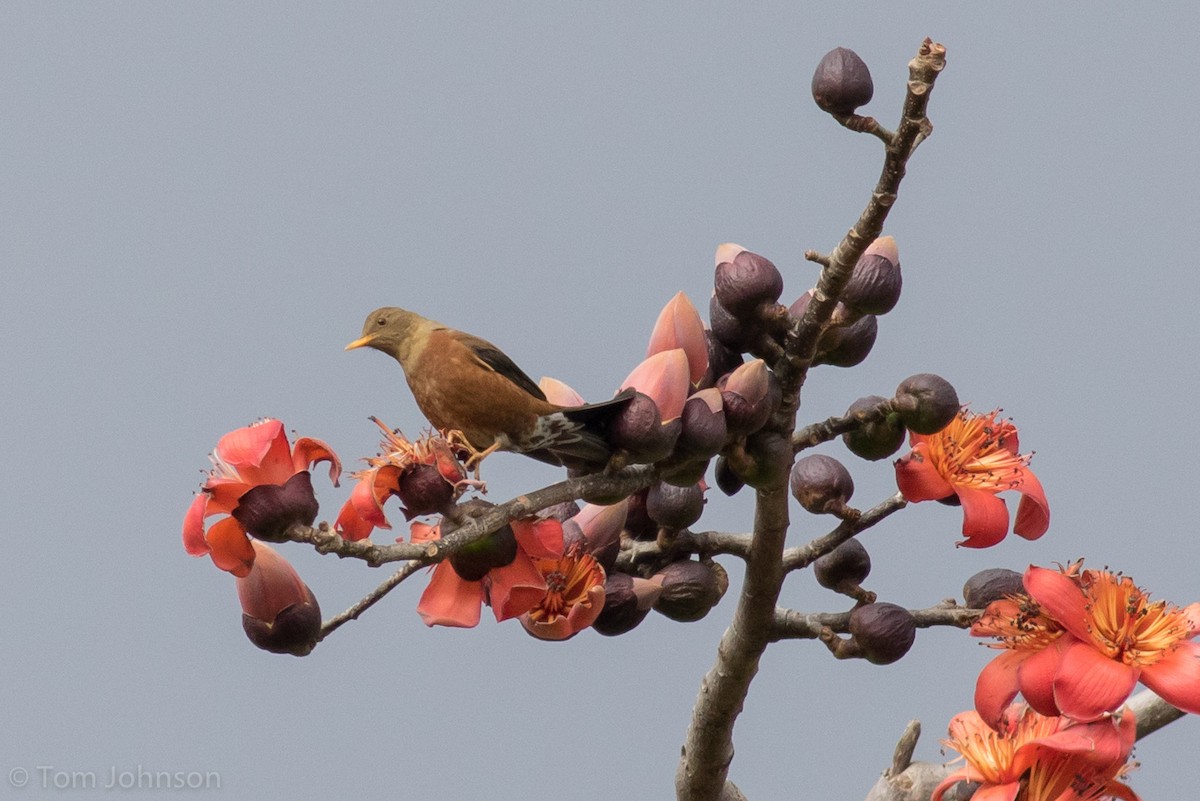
495,359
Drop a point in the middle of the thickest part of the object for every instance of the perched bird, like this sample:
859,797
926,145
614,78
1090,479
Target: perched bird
466,383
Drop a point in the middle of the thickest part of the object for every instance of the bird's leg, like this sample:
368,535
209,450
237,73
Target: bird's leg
477,457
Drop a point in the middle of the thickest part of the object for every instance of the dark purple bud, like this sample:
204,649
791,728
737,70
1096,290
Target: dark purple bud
721,360
704,429
684,472
423,490
843,567
674,507
269,510
734,333
991,585
800,305
747,398
842,82
561,512
728,481
627,601
770,456
876,440
640,432
690,589
926,403
637,522
848,345
821,484
473,561
874,286
296,629
746,283
885,632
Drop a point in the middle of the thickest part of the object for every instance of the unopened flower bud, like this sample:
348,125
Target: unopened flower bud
721,359
561,512
690,589
746,397
735,333
926,403
821,484
640,431
847,346
845,566
637,522
877,440
674,508
269,510
679,326
769,457
991,585
884,632
874,286
704,430
684,472
728,481
627,601
474,560
280,614
842,82
746,283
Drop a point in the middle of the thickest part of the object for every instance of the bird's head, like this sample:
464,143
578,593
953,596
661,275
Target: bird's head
391,330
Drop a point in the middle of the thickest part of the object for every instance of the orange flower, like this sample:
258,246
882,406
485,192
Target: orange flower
511,588
426,475
972,460
573,599
1118,637
264,484
1042,746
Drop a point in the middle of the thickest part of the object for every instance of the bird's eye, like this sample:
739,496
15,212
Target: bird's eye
381,321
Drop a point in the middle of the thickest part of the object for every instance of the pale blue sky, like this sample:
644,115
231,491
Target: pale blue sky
201,202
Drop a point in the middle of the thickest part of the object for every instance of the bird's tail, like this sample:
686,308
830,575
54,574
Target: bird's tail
576,437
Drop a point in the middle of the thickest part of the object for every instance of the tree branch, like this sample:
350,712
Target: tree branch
792,625
802,556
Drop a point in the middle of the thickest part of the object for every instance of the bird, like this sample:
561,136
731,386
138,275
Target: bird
465,383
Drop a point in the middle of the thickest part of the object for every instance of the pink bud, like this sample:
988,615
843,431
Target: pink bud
279,612
665,378
559,393
679,326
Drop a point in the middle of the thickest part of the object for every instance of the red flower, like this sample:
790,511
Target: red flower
1117,638
573,599
1045,753
279,612
511,589
426,475
973,459
1028,664
264,484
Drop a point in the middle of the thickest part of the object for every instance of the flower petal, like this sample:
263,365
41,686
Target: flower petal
450,601
540,538
1176,677
516,588
985,518
996,686
308,451
1035,677
1089,684
230,547
260,452
1033,512
602,525
271,586
917,478
193,527
1060,598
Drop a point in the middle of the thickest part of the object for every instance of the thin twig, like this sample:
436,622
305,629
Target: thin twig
802,556
369,600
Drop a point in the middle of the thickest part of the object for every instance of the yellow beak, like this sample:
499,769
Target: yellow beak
360,342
